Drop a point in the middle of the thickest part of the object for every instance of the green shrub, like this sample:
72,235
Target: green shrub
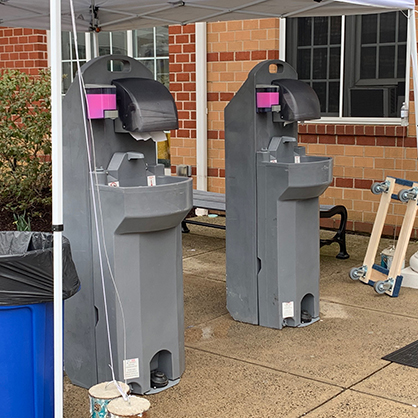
25,143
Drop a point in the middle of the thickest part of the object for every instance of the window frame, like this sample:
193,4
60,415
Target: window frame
155,57
89,43
291,56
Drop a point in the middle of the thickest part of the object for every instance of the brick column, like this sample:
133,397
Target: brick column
183,88
234,48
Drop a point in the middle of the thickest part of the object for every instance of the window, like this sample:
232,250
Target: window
112,43
69,65
373,84
149,46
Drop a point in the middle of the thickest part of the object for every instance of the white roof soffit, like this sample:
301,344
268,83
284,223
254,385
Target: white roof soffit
135,14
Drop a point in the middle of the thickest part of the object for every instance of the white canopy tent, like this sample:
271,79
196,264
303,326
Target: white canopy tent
112,15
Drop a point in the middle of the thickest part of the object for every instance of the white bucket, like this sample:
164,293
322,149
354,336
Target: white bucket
134,407
100,395
386,257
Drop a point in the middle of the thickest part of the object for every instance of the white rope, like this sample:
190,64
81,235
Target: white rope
97,208
102,229
124,395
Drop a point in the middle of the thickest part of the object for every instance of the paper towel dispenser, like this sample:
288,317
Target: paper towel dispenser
145,105
298,101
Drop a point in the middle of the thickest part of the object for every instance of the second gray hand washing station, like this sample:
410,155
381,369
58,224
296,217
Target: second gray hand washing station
272,190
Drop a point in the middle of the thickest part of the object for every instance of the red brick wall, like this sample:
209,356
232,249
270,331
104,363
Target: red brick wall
23,49
233,50
183,89
362,154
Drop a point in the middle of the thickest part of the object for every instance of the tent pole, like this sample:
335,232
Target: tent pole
413,43
342,66
57,199
408,62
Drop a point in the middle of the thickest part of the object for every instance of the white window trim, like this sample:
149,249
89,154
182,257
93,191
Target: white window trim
346,120
154,58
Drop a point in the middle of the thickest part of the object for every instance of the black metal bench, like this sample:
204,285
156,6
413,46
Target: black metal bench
217,201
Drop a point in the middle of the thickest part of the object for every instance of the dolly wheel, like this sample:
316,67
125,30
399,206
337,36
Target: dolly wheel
405,195
380,287
356,273
378,188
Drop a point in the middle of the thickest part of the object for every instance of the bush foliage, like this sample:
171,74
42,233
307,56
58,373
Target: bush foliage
25,131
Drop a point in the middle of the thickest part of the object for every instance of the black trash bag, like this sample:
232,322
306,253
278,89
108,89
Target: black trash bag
26,268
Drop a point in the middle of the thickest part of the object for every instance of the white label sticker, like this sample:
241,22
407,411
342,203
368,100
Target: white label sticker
151,180
131,368
113,184
288,310
297,159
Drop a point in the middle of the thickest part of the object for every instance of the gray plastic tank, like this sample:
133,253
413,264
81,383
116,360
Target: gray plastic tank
272,190
140,211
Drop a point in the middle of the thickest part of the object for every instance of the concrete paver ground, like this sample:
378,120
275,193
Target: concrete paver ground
332,368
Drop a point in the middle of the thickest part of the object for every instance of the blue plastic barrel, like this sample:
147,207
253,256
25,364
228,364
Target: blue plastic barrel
27,361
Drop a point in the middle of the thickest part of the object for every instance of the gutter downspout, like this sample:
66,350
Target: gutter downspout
282,39
201,107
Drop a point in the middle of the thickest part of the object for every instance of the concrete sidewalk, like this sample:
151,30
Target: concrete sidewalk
332,368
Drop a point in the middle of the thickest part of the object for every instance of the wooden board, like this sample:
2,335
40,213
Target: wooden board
378,225
403,241
376,276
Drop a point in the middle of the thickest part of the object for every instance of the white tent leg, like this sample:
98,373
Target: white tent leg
57,199
411,276
342,68
413,48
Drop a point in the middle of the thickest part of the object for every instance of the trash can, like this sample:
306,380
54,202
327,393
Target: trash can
26,322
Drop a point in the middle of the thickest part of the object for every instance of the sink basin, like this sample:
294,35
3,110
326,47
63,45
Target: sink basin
304,180
138,209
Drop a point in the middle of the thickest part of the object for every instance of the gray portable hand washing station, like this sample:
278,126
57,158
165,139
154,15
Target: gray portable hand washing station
139,212
272,190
